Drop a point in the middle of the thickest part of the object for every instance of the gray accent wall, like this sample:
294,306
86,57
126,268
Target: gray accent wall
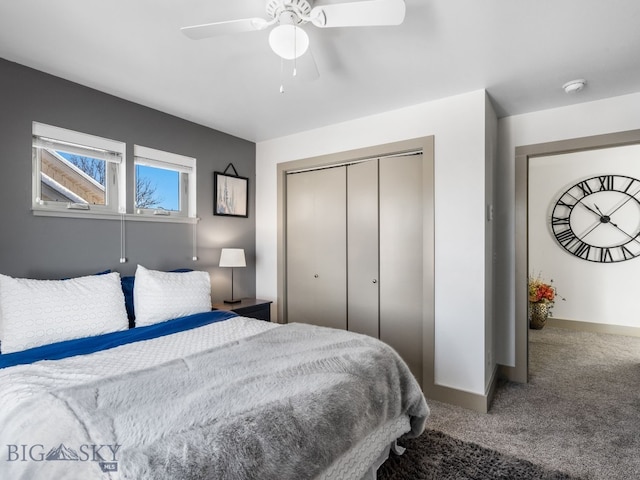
55,247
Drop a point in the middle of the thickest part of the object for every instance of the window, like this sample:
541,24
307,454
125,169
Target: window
74,171
164,183
81,175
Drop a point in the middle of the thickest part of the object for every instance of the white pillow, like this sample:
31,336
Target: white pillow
38,312
160,296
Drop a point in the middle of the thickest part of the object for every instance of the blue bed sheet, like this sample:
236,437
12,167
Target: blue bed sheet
86,345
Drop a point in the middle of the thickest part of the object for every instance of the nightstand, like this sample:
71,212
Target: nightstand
248,307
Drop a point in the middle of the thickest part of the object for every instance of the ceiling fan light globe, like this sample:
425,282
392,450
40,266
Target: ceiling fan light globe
288,41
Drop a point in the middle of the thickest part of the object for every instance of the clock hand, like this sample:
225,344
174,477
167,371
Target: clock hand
599,211
579,201
590,209
603,218
607,219
595,225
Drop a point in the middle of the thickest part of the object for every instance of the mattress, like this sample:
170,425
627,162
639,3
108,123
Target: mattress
31,393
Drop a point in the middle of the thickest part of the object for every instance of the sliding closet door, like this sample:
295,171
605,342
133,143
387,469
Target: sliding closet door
316,247
362,247
401,257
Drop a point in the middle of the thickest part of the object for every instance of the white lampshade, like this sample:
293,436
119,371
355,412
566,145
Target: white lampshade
232,257
289,41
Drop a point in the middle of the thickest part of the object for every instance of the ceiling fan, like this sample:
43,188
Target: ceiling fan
287,39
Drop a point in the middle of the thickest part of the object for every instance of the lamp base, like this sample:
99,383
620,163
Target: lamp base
237,300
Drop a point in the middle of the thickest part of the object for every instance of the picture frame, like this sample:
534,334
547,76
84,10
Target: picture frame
231,195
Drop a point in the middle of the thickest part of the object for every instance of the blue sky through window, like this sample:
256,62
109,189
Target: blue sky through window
167,185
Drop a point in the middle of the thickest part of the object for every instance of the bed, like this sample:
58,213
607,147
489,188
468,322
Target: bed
204,395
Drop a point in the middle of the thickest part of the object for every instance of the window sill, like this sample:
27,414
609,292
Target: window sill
96,215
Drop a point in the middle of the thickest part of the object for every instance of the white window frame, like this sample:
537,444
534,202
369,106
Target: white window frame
186,166
61,139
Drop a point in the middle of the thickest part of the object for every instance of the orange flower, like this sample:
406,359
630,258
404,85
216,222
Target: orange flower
540,291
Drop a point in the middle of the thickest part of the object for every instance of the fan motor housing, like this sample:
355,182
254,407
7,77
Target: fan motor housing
300,9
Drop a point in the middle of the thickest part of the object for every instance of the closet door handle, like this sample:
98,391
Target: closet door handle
316,276
375,281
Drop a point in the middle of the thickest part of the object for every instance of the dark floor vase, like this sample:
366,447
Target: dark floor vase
538,314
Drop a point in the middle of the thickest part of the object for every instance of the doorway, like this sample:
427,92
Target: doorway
524,156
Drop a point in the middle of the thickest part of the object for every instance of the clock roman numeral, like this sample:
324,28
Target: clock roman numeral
605,255
586,189
606,182
580,249
626,253
566,237
631,182
562,203
559,220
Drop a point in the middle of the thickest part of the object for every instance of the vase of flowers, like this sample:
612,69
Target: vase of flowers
542,296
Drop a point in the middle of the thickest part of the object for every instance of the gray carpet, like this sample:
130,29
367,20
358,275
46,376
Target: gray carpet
437,456
580,413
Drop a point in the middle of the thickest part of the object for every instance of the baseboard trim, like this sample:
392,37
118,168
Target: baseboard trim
594,327
491,388
472,401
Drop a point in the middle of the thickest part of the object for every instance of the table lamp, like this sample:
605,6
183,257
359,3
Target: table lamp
232,257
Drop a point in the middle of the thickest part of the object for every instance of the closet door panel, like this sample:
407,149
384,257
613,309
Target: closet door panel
362,248
316,247
330,240
300,283
401,257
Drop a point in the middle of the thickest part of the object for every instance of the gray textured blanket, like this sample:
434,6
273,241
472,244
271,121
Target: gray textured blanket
283,404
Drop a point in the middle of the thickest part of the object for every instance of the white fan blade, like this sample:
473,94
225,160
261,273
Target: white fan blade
359,14
198,32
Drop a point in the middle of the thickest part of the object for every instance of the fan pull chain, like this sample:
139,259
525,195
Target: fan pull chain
281,75
295,61
295,51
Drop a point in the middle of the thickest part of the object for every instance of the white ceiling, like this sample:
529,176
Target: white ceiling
520,51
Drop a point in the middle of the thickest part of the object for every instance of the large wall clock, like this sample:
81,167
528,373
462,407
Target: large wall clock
598,219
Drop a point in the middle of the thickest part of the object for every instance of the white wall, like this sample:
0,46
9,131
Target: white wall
458,124
604,116
594,292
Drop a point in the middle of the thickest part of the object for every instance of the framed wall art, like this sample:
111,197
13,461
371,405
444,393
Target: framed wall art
231,194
